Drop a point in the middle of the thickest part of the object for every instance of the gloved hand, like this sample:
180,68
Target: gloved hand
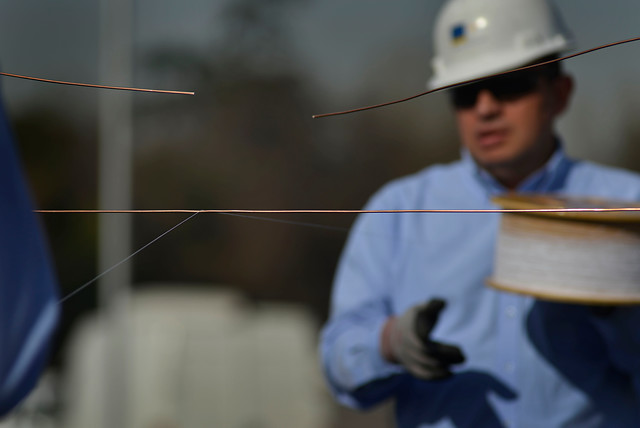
406,340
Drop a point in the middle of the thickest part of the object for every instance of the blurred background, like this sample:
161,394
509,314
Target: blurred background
216,323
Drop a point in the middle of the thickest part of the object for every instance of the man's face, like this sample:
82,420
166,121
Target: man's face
506,123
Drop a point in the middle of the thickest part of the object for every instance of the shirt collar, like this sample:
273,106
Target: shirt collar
549,178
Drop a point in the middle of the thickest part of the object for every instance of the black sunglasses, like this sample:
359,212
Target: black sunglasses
507,87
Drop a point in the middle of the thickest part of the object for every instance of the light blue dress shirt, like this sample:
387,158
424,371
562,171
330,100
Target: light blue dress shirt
28,291
529,363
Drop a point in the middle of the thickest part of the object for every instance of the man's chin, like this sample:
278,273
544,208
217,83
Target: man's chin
493,161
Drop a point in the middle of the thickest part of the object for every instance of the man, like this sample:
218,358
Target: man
28,292
490,359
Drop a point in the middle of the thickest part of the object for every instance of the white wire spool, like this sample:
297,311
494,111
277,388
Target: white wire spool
578,257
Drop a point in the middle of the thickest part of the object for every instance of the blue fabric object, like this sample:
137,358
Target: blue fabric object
529,363
28,290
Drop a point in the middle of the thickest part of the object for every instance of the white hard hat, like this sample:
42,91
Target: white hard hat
475,38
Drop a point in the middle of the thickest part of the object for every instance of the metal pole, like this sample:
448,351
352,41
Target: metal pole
115,182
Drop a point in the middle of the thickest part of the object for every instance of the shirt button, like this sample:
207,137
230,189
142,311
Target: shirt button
511,311
509,367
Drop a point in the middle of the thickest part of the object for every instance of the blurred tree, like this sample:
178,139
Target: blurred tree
247,140
60,162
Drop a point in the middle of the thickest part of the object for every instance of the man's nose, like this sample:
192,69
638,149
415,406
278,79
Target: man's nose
487,105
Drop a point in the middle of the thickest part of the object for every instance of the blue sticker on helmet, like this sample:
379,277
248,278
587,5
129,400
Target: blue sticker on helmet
458,33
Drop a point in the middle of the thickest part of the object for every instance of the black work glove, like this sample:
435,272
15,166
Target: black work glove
411,346
602,311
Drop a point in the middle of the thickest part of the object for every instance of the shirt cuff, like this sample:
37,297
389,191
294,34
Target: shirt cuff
357,361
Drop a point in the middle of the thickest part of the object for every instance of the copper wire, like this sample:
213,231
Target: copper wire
89,85
326,211
466,82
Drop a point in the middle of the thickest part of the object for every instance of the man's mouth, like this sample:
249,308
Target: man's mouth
491,138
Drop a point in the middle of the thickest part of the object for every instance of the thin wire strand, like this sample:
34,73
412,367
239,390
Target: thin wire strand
466,82
89,85
86,284
291,222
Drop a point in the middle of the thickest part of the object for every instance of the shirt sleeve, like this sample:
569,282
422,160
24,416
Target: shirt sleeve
356,373
28,299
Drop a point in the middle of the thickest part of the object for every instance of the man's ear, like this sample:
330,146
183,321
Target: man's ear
563,89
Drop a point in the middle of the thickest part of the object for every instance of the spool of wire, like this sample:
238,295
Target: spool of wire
579,257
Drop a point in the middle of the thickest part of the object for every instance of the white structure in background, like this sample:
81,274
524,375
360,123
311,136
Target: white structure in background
203,357
38,410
